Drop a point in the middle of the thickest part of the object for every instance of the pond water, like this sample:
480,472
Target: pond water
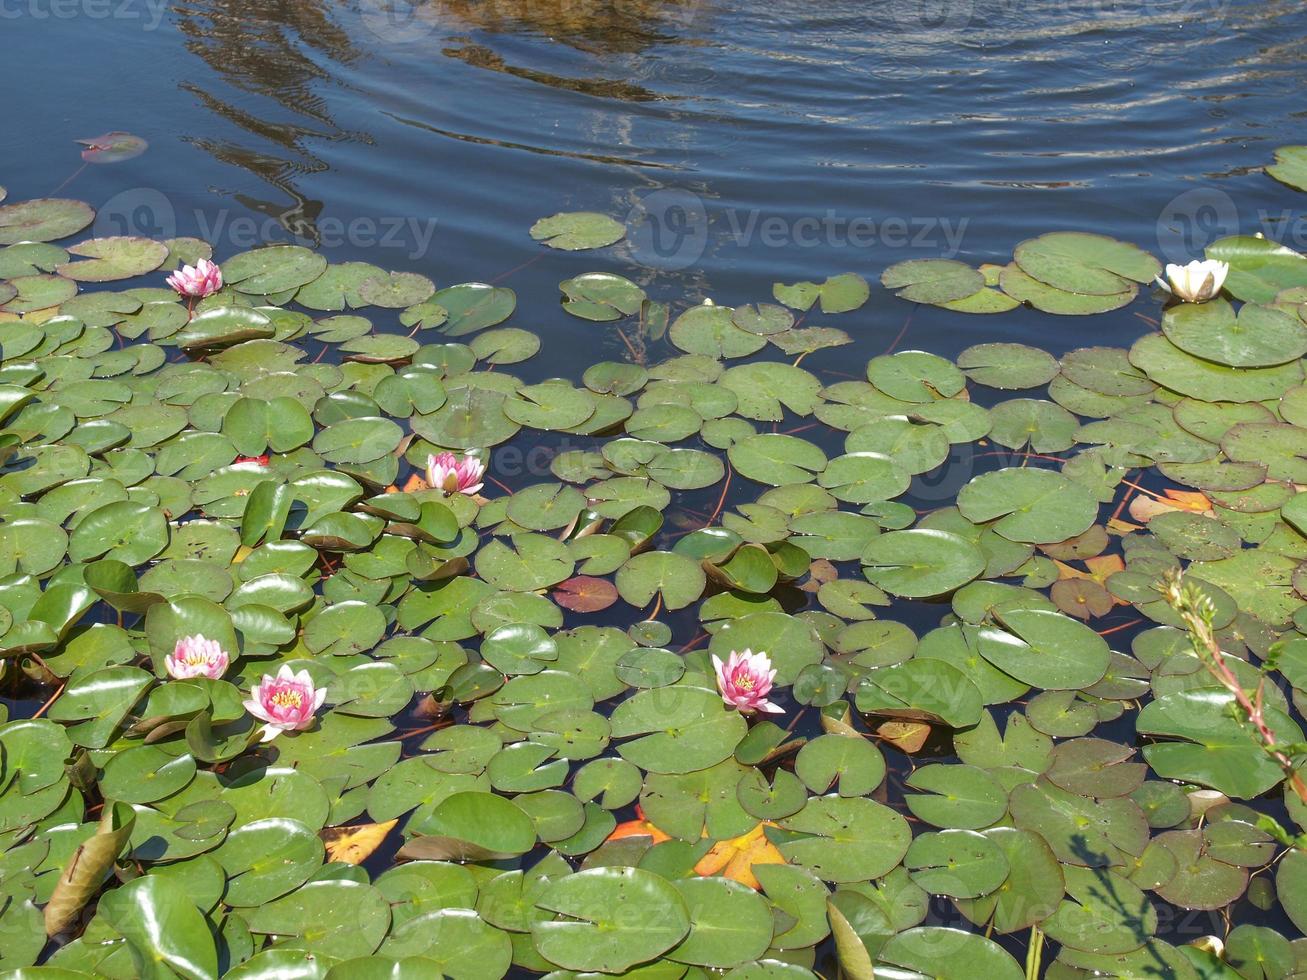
740,144
743,142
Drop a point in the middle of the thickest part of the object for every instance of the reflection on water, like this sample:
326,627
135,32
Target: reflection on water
597,26
480,56
282,52
744,142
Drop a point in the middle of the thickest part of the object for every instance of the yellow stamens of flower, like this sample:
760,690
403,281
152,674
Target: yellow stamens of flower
287,699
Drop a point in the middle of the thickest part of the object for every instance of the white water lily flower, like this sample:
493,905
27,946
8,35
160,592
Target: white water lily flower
1198,281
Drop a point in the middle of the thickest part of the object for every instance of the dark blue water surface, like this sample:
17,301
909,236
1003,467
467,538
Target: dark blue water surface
744,142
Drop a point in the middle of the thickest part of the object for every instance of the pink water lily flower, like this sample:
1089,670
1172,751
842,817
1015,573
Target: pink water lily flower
197,281
745,681
286,702
453,475
197,656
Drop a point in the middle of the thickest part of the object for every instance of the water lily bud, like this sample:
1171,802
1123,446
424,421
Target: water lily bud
1198,281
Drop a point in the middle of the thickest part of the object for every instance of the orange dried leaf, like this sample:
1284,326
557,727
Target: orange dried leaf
638,828
1189,500
1143,508
1065,571
352,845
735,858
1104,567
907,736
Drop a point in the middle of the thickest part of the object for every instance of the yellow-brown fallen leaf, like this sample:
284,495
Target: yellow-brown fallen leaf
907,736
732,859
1118,526
1193,500
1144,508
735,858
353,844
1104,567
1065,571
1098,569
638,828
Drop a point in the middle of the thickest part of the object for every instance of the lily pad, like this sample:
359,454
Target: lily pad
577,230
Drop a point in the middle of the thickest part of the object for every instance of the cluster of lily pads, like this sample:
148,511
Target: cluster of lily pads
292,695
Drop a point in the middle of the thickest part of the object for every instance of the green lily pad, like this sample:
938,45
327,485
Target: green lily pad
957,863
921,562
932,280
1210,748
272,270
1085,263
1029,504
1260,269
43,220
679,729
577,230
473,306
1050,299
1259,336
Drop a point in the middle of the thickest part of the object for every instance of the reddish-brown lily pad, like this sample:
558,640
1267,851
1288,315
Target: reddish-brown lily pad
585,593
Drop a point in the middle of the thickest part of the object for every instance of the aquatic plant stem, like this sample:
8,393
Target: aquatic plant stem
53,697
518,268
71,177
1035,954
1197,611
721,501
1116,629
902,332
635,357
1116,514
